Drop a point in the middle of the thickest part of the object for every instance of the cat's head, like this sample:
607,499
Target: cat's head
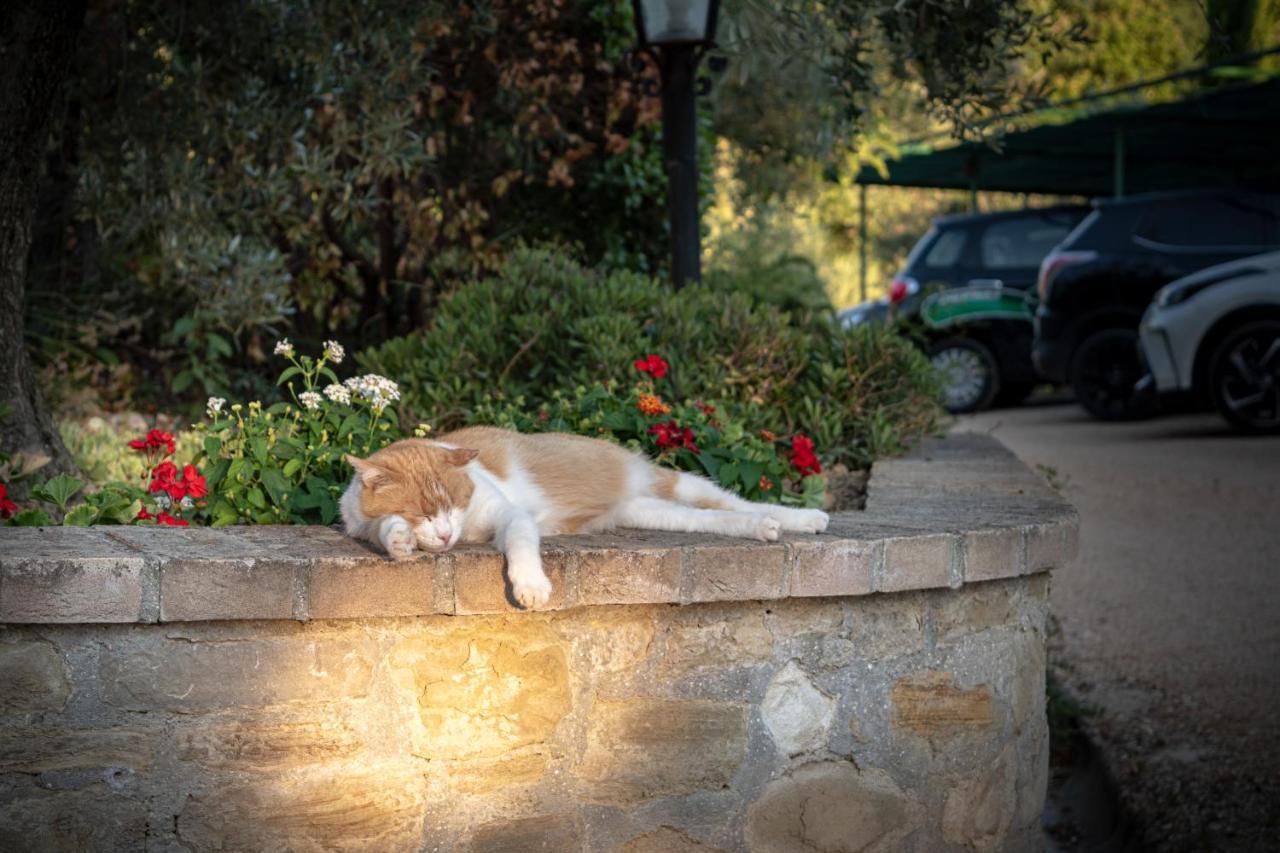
421,482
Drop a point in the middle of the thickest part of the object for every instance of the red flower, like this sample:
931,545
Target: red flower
143,515
706,409
154,440
802,456
193,482
164,478
654,365
7,507
671,434
165,518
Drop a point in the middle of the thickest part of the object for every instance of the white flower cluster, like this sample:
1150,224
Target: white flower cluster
377,390
337,393
334,351
310,400
213,408
284,348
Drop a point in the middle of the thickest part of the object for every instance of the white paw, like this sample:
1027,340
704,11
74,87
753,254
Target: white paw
399,541
531,592
810,521
765,528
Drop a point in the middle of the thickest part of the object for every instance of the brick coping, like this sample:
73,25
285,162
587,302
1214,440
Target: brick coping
956,510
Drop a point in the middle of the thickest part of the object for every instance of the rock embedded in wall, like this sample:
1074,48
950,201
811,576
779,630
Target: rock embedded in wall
33,676
797,714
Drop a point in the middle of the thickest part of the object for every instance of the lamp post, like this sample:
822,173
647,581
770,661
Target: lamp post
676,33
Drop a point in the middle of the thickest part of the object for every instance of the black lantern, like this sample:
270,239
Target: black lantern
676,33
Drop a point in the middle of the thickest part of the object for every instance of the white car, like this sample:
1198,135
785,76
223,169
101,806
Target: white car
1217,332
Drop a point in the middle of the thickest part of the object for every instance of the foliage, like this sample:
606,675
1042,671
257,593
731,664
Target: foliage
545,323
692,436
285,463
230,173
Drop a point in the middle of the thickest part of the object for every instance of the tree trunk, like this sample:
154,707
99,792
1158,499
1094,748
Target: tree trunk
37,44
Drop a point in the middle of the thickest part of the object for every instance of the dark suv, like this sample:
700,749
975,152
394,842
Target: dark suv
966,294
1096,284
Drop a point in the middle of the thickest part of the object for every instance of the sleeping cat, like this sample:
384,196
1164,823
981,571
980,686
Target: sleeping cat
483,484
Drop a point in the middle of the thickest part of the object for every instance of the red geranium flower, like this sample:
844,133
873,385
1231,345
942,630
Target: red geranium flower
165,518
7,507
154,440
671,434
654,365
802,456
143,515
193,482
706,408
164,478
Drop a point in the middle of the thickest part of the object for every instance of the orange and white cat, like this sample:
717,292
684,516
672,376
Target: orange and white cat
483,484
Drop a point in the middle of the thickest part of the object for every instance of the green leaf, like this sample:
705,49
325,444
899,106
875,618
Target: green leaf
81,516
223,514
276,485
59,490
218,345
182,381
333,377
292,467
259,448
289,372
31,518
349,423
212,446
256,498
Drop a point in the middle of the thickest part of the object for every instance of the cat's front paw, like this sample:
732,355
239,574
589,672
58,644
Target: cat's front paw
531,593
810,521
765,529
398,539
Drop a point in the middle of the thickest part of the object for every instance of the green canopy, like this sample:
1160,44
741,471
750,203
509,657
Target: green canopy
1228,136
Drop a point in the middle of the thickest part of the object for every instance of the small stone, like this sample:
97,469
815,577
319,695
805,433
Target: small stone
546,834
979,810
481,776
713,638
929,705
259,745
797,714
45,821
32,678
666,839
43,750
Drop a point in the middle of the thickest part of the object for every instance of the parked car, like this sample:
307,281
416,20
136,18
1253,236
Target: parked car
1095,286
966,292
1217,333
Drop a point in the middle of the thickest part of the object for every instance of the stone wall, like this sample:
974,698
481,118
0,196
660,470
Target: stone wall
764,699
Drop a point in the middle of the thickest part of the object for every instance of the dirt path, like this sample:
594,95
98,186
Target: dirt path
1171,617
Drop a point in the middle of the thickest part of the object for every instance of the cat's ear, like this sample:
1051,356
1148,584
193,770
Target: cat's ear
460,456
370,474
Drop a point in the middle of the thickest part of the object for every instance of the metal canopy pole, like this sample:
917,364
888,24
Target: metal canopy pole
680,156
862,242
1117,165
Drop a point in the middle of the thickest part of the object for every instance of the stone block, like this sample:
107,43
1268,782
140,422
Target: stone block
929,705
629,576
484,775
639,749
1052,546
480,584
44,749
991,553
617,639
712,637
975,607
190,675
917,562
888,626
88,589
365,808
826,568
979,809
797,714
545,834
259,745
738,572
666,839
372,587
484,690
832,806
92,819
211,589
33,677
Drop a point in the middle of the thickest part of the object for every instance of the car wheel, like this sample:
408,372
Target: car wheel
1104,373
1244,377
1014,393
968,372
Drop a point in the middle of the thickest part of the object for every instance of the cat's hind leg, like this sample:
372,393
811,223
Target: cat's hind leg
696,491
646,513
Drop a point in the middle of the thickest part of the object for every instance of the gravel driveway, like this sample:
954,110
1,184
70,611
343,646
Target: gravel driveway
1170,620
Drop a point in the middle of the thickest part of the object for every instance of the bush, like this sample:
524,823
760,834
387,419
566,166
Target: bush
545,323
693,436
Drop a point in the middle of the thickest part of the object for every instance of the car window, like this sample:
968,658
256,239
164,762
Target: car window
1210,224
1020,242
946,252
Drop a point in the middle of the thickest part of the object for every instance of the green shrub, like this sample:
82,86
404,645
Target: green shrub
545,323
696,436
